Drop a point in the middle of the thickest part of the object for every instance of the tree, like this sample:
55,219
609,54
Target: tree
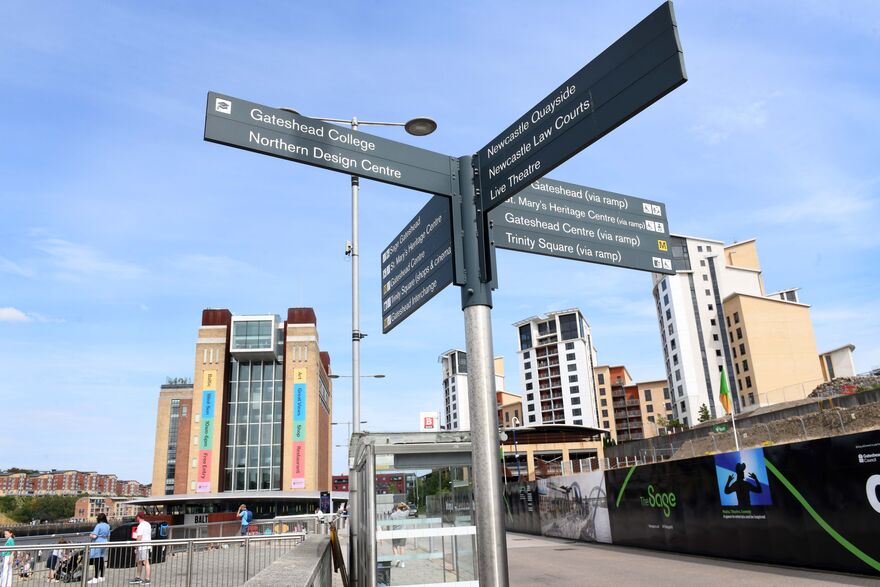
704,414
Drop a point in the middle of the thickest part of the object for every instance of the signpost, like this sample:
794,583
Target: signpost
586,224
418,263
447,240
262,129
637,70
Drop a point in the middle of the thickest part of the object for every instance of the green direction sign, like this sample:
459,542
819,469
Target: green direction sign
561,219
637,70
262,129
418,263
719,428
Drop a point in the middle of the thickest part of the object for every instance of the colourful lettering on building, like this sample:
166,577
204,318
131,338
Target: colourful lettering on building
206,432
298,479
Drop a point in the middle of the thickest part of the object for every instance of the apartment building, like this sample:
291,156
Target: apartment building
455,387
69,482
556,359
692,311
631,410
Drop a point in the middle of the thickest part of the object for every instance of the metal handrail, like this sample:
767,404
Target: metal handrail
160,542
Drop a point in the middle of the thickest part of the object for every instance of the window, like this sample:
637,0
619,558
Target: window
529,386
574,389
569,346
605,424
532,418
699,248
525,337
712,322
734,352
516,414
572,378
668,314
576,412
601,377
736,366
526,354
648,394
650,418
739,333
736,317
665,393
650,408
709,248
678,374
572,367
576,401
728,321
683,409
601,391
702,262
527,365
666,300
604,413
579,422
715,336
748,381
568,328
708,293
670,330
680,391
742,349
745,364
668,407
717,352
752,399
507,417
663,285
530,397
528,374
604,403
675,359
672,343
711,308
705,277
739,383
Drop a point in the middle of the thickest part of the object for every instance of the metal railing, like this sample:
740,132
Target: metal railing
194,562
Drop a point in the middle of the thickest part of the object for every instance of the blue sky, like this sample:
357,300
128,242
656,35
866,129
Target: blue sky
118,223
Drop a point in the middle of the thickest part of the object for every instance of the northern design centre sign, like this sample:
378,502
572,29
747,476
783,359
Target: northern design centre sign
271,131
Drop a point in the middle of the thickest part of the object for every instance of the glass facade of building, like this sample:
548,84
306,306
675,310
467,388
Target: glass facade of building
171,463
252,334
254,423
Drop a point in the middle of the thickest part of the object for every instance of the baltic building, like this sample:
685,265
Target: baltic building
257,415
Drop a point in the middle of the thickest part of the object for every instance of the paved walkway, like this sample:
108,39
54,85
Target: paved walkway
536,560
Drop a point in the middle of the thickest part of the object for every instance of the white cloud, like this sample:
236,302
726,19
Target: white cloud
723,121
9,266
76,261
10,314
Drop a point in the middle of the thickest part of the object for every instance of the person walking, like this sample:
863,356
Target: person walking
398,545
143,535
8,560
101,533
58,556
246,517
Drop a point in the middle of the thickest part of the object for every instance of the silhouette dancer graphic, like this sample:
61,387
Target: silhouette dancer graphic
741,487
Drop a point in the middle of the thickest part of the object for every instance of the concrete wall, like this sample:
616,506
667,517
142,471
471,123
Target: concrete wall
309,564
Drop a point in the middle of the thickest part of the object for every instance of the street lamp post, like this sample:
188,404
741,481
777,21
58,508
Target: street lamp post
419,127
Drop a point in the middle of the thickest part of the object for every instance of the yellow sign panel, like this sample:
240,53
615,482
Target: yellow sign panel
299,375
210,380
661,245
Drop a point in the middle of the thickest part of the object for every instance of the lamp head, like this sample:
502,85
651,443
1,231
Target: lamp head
420,127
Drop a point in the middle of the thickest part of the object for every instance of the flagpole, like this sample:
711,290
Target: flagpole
733,421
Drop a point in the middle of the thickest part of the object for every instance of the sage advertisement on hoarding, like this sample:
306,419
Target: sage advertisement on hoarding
811,504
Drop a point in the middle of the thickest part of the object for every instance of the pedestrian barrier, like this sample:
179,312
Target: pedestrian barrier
188,562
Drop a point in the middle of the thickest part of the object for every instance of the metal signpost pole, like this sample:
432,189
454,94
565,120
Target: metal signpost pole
355,360
476,301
